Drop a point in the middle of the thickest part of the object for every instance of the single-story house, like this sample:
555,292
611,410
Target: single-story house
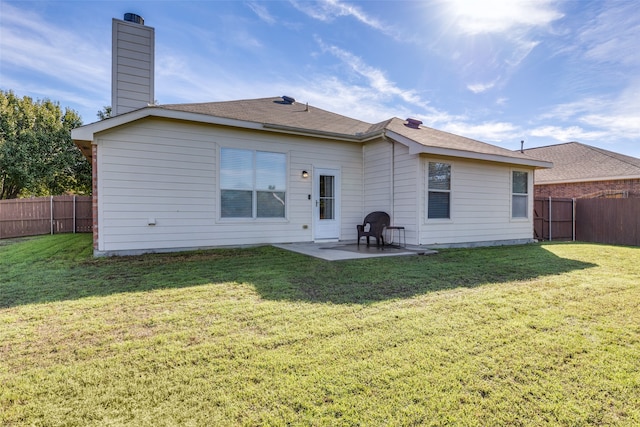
583,171
273,170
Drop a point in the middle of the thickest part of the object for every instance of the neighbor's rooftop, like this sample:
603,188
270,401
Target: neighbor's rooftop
576,162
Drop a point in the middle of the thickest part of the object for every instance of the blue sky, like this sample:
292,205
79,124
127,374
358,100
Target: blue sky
545,72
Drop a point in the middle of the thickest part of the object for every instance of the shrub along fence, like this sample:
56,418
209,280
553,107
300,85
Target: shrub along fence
45,215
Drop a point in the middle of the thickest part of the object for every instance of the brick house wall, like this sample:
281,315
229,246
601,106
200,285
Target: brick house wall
592,189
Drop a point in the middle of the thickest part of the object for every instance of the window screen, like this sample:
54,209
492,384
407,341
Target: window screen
439,194
252,184
519,196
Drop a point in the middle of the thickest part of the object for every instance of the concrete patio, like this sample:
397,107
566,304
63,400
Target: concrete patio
337,251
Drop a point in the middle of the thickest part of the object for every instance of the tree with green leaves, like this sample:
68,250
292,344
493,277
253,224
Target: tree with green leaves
37,155
105,113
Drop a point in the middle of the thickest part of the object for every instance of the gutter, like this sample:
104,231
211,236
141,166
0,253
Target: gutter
417,148
359,137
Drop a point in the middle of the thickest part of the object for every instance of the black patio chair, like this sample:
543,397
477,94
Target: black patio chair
373,226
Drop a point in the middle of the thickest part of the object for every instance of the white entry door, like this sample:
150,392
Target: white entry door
326,221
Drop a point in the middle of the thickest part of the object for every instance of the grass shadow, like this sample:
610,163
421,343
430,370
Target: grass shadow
59,268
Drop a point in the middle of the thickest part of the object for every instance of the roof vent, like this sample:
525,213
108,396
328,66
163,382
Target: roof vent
288,100
413,123
132,17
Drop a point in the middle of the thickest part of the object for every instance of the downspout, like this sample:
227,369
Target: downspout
393,179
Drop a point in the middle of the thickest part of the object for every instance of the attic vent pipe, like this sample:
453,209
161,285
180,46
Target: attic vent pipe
288,100
132,17
413,123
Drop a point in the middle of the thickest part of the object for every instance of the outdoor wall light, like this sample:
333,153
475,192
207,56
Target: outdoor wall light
305,174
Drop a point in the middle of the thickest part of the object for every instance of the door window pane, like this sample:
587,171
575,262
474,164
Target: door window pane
327,210
327,197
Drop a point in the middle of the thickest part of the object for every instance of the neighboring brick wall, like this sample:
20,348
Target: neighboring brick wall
94,192
589,189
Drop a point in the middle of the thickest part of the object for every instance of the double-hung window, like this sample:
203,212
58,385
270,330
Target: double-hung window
252,184
519,194
439,190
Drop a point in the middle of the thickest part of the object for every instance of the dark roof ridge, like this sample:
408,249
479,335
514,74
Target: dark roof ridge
551,145
618,156
633,161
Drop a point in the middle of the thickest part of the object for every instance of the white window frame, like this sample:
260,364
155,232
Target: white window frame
255,187
428,190
524,196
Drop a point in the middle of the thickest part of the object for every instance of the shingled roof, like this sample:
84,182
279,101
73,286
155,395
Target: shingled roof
283,114
576,162
438,139
276,111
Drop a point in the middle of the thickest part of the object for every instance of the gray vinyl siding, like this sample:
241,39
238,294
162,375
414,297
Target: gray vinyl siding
377,177
133,66
167,170
480,206
406,192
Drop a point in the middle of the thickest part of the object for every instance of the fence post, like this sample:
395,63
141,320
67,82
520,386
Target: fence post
74,214
51,215
550,219
573,217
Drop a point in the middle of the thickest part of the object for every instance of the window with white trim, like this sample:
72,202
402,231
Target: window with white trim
519,194
439,190
252,184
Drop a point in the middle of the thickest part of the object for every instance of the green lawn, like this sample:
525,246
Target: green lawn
533,335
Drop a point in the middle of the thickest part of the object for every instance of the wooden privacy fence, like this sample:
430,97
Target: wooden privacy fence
610,221
45,215
553,219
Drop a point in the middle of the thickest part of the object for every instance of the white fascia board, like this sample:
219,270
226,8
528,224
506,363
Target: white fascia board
417,148
86,133
321,134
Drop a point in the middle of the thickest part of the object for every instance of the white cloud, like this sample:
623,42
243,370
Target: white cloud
375,77
262,12
490,39
494,132
566,134
481,87
500,16
328,10
56,52
607,117
612,36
